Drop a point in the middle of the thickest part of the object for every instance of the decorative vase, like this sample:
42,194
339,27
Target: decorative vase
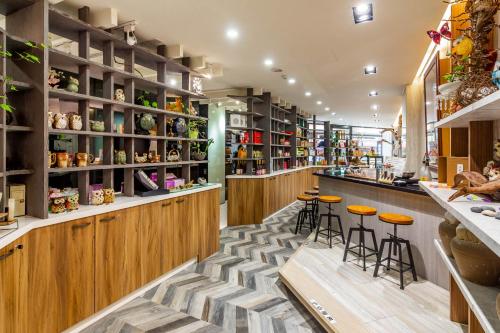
58,205
97,197
72,201
73,85
449,89
75,122
199,155
180,126
145,123
120,157
447,231
475,261
119,95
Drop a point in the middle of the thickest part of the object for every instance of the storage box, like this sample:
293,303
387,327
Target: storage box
257,137
452,166
171,183
18,193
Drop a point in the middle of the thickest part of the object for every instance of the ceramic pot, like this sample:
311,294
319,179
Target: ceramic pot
72,202
58,205
83,159
109,195
97,197
199,156
120,157
173,156
180,126
447,231
475,261
62,160
75,122
146,122
97,126
60,121
119,95
448,90
73,85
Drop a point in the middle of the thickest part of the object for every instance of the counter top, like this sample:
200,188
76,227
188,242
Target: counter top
414,189
487,229
27,223
276,173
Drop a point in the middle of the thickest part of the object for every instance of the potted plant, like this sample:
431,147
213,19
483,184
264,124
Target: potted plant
194,128
197,153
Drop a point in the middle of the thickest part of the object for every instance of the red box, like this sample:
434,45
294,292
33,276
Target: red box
257,137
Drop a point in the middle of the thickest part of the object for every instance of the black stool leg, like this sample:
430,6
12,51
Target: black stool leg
410,256
347,246
330,225
317,228
400,267
298,222
374,240
340,228
389,256
379,257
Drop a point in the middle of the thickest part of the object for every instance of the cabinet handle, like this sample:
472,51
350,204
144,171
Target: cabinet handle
166,204
180,201
81,225
107,219
11,252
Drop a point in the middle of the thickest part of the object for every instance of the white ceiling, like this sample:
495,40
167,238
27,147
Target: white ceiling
314,41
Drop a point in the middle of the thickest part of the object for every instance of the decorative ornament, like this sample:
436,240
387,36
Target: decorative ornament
197,85
463,46
444,32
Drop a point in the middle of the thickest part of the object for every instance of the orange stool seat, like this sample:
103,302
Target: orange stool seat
395,218
362,210
305,197
330,199
316,187
312,192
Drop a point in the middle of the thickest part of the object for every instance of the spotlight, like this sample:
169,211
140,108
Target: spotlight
363,13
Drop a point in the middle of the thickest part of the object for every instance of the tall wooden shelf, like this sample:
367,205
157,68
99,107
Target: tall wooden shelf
320,132
30,131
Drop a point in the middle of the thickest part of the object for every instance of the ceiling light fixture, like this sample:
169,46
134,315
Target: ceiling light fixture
370,70
373,93
363,13
334,113
238,102
268,62
173,82
232,34
308,94
319,102
327,109
291,80
375,107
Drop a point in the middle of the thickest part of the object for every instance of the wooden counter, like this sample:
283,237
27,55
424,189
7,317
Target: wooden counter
62,271
253,198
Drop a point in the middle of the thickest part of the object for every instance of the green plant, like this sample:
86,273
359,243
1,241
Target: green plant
147,100
457,72
197,146
195,125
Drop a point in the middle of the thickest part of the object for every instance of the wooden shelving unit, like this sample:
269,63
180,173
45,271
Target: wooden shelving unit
28,140
319,132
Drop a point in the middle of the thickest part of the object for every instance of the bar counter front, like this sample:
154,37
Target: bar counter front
407,200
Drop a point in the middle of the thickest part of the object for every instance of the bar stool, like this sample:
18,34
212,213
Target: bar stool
305,213
396,219
315,194
330,233
362,211
316,187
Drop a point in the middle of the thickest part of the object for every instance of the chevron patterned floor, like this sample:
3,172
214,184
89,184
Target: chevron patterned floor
235,290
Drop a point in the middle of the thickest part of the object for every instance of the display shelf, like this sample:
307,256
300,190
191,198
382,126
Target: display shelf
276,107
488,108
281,157
485,228
16,128
19,172
254,99
280,133
8,7
286,146
481,299
245,159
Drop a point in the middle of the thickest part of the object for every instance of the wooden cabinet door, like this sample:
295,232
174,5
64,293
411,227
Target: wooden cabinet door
13,287
151,232
167,238
61,275
118,255
209,222
185,229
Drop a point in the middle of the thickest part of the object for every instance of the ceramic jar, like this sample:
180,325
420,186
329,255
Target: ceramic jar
447,231
199,155
60,121
62,160
72,201
97,126
475,261
145,122
119,95
75,122
109,195
83,159
58,205
97,197
120,157
73,85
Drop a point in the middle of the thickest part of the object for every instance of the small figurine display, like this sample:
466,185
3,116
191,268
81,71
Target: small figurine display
97,197
109,195
119,95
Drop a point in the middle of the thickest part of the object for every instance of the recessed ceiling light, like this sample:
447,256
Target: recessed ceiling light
308,94
173,82
232,34
375,115
375,107
268,62
341,119
291,80
334,113
370,70
319,102
219,104
327,109
373,93
363,13
238,102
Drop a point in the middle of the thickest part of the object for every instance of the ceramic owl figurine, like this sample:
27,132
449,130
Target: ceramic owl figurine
72,202
60,121
109,195
50,119
97,197
58,205
119,95
75,122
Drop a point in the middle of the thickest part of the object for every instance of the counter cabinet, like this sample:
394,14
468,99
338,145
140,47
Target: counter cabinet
55,276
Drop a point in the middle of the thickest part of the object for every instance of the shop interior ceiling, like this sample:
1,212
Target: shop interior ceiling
315,42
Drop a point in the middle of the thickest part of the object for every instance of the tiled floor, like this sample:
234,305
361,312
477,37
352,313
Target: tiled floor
235,290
